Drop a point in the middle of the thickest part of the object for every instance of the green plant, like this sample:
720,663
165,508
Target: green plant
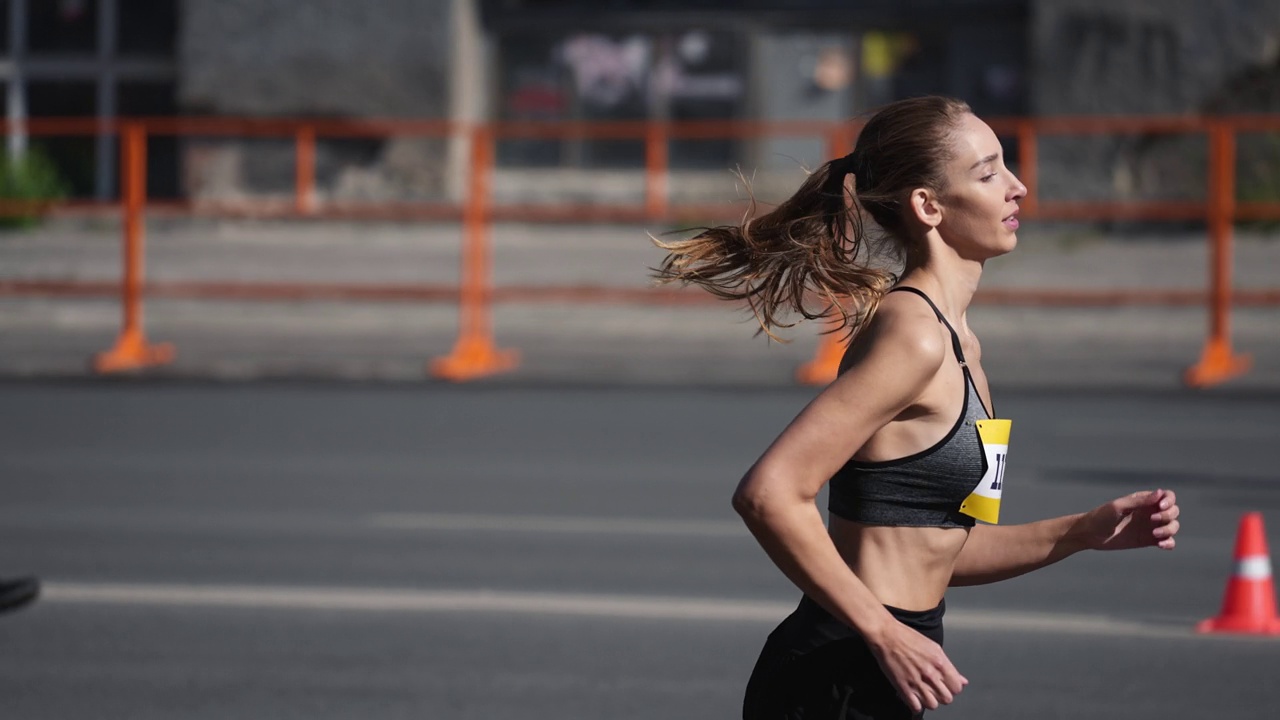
29,182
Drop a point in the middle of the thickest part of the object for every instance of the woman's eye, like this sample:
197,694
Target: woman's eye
987,178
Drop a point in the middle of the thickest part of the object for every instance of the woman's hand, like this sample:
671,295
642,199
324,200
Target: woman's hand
917,667
1142,519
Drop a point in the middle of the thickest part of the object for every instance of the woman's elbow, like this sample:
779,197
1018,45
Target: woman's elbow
757,499
749,503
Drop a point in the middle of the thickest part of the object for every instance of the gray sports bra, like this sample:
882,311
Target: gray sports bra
924,489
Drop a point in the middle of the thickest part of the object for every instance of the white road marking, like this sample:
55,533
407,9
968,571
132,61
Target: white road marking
557,524
507,602
185,522
423,601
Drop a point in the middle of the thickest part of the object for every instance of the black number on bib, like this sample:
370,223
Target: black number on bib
998,482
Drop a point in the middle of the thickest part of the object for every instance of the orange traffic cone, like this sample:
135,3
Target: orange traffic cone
1250,603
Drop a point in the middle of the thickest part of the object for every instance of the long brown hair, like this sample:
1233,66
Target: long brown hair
815,243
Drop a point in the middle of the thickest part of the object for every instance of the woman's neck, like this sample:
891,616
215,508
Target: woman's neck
948,279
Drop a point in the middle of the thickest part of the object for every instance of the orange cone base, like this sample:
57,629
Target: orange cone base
1217,365
132,352
1240,625
825,365
816,373
472,359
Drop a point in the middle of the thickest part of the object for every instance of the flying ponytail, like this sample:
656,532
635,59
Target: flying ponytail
814,255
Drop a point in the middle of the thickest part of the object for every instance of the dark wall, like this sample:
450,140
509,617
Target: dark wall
320,57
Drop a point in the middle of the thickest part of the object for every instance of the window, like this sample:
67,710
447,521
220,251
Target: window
134,99
74,156
4,27
63,26
146,27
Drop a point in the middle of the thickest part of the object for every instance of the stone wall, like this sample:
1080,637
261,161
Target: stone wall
319,58
1146,57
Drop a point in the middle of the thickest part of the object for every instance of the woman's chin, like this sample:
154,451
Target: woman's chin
1008,243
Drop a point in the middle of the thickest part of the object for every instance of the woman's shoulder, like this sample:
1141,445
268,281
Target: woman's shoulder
907,320
904,333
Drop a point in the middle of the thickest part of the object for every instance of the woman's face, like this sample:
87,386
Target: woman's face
980,204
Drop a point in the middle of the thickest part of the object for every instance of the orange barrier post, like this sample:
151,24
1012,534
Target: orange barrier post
1028,166
825,364
305,179
1249,605
656,170
132,351
474,354
1218,363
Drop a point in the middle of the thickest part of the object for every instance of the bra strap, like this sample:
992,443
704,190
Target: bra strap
955,338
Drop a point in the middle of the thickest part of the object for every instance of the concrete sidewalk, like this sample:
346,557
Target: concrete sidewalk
1131,347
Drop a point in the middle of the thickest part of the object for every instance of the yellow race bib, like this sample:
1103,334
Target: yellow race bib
984,502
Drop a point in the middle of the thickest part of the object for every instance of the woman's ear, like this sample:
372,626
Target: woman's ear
925,207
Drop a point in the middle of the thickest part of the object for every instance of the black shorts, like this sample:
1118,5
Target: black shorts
814,667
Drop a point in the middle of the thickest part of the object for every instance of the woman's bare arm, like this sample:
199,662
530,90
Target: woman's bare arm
776,497
999,552
995,553
902,352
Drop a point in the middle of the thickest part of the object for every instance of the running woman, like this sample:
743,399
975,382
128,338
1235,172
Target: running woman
906,435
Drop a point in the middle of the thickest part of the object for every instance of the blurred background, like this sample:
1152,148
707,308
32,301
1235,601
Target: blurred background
357,178
333,383
616,61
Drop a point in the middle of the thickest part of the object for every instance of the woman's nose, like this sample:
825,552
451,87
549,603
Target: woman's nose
1019,190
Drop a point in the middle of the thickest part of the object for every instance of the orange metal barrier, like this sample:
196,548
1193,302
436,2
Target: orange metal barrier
475,353
132,349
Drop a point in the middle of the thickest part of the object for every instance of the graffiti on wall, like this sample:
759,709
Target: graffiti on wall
608,72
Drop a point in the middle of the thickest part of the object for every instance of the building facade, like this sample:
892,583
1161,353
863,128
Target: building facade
526,60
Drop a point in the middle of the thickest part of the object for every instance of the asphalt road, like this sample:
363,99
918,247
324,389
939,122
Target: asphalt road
429,551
